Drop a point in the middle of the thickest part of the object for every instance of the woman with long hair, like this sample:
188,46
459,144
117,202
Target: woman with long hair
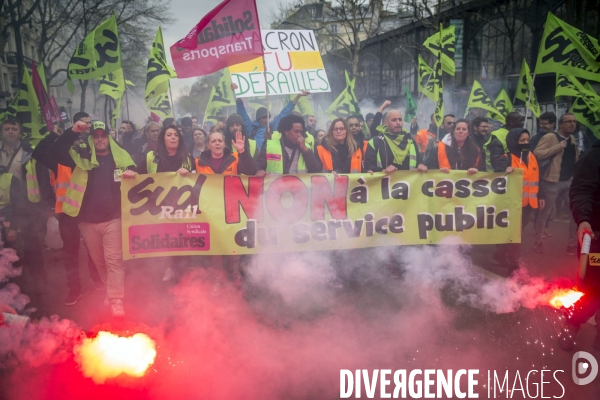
338,150
170,156
457,151
200,136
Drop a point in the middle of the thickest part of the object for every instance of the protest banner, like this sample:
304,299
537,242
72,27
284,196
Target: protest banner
167,214
293,63
229,34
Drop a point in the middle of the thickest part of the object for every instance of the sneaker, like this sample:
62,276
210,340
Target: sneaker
169,274
100,285
72,298
117,309
566,337
571,250
538,247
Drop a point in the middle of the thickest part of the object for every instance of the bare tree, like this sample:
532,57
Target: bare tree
19,13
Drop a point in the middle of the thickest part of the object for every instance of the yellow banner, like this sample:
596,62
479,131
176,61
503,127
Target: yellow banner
167,214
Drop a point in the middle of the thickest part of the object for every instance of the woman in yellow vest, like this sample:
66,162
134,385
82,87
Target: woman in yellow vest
519,156
219,159
457,151
338,151
171,154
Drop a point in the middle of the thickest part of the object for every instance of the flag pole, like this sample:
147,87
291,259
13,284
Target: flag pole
528,101
422,93
268,130
172,101
138,101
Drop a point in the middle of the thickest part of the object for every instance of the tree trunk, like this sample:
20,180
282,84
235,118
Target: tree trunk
83,85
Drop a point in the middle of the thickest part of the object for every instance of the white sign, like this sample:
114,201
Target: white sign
293,64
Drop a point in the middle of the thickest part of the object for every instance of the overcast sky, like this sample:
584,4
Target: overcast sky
188,13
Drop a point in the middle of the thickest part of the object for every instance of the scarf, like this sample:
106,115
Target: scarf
398,143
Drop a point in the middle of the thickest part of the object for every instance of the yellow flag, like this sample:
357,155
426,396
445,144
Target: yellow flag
447,38
345,104
426,80
28,112
161,106
503,105
525,87
478,99
98,54
158,71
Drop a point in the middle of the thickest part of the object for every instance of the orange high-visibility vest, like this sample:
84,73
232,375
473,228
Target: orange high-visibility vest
443,157
422,139
230,170
60,184
355,161
531,180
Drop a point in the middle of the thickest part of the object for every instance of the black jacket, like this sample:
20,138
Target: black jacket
584,193
15,212
246,164
313,165
43,177
340,165
102,198
498,158
387,157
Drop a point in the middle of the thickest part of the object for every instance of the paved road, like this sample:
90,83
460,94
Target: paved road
243,343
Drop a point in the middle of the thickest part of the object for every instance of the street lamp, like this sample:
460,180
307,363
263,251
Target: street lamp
69,104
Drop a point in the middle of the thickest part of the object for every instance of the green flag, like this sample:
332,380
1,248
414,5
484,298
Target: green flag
161,106
570,86
589,87
503,105
220,96
116,112
525,87
97,55
158,71
346,104
479,99
411,106
113,84
426,84
587,114
565,49
28,112
447,39
438,90
302,106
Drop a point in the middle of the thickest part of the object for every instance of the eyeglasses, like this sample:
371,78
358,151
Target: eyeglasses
339,129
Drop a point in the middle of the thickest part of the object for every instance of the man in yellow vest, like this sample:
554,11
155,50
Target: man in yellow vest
34,178
94,197
67,225
392,148
495,147
290,154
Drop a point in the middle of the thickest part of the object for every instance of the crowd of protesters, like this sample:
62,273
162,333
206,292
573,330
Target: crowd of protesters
75,174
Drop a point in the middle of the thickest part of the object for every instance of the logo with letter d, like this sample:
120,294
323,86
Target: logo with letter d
582,367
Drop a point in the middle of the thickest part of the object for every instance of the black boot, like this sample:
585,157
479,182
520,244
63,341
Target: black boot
566,337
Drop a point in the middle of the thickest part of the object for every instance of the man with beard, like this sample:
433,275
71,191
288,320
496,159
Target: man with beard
290,154
392,149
